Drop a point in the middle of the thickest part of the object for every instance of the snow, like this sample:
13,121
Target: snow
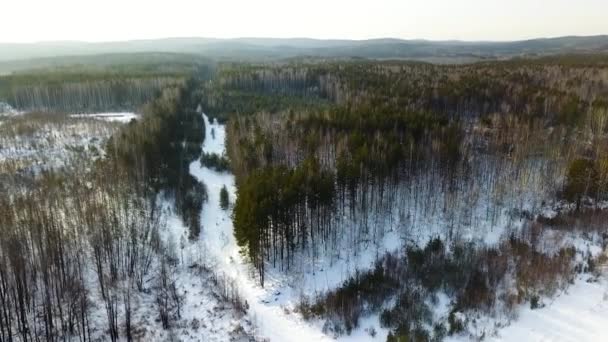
41,142
123,117
579,314
217,320
7,111
36,143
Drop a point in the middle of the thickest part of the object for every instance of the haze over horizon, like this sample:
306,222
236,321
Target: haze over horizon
77,41
469,20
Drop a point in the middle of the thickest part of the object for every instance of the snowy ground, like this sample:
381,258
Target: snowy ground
49,141
112,117
579,314
6,110
204,315
34,142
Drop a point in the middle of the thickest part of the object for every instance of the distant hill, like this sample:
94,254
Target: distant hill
155,62
275,48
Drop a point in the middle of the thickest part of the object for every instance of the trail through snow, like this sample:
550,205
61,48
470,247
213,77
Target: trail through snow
222,253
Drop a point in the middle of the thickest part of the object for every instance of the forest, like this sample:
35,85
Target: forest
105,83
448,159
89,231
477,189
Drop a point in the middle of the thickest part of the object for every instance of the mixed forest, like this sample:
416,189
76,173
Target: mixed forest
87,231
105,83
475,168
482,183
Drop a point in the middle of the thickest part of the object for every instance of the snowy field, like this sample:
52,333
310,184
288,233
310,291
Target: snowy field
579,314
122,117
33,142
48,141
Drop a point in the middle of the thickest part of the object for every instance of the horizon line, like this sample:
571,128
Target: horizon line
73,41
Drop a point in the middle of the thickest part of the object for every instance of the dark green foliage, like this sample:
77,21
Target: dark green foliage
403,335
190,204
409,313
224,198
535,302
263,220
228,103
571,113
373,147
215,162
582,180
247,89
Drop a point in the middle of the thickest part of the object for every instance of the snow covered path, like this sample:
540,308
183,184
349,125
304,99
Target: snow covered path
222,253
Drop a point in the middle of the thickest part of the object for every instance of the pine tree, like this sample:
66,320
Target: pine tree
224,198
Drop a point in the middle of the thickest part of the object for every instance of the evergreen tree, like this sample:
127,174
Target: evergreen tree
224,198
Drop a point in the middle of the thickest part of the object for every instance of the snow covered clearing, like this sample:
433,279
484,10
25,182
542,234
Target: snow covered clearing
43,141
578,314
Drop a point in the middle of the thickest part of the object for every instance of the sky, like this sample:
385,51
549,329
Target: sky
112,20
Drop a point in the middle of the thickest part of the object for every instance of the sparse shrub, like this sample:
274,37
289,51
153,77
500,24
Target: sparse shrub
372,332
456,322
195,324
215,162
582,180
535,302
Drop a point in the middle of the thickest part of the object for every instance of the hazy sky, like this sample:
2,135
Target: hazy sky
103,20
